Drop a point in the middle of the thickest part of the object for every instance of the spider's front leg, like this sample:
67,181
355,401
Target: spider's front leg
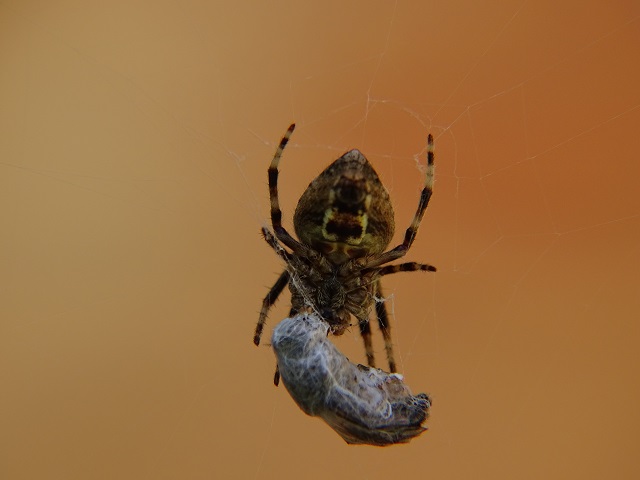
276,213
268,302
406,267
410,235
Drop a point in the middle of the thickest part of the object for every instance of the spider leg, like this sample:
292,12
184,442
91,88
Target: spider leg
406,267
273,243
276,213
365,331
385,327
273,294
268,301
410,234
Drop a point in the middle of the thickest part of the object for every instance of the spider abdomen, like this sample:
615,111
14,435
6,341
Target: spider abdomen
345,213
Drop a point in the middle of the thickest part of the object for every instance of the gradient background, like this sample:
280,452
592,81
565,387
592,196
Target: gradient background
134,145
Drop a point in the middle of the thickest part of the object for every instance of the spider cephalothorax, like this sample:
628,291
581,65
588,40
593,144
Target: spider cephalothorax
344,221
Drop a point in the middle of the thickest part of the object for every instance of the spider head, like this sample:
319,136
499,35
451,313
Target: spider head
338,320
345,212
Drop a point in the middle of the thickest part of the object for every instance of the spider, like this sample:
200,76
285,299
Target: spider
344,222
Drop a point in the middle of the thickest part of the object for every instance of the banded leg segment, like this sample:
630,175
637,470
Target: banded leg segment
268,301
406,267
276,213
365,331
410,234
385,327
425,196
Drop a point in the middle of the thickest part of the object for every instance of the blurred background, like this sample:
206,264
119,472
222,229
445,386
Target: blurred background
134,144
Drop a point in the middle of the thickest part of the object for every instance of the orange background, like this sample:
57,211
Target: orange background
134,144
